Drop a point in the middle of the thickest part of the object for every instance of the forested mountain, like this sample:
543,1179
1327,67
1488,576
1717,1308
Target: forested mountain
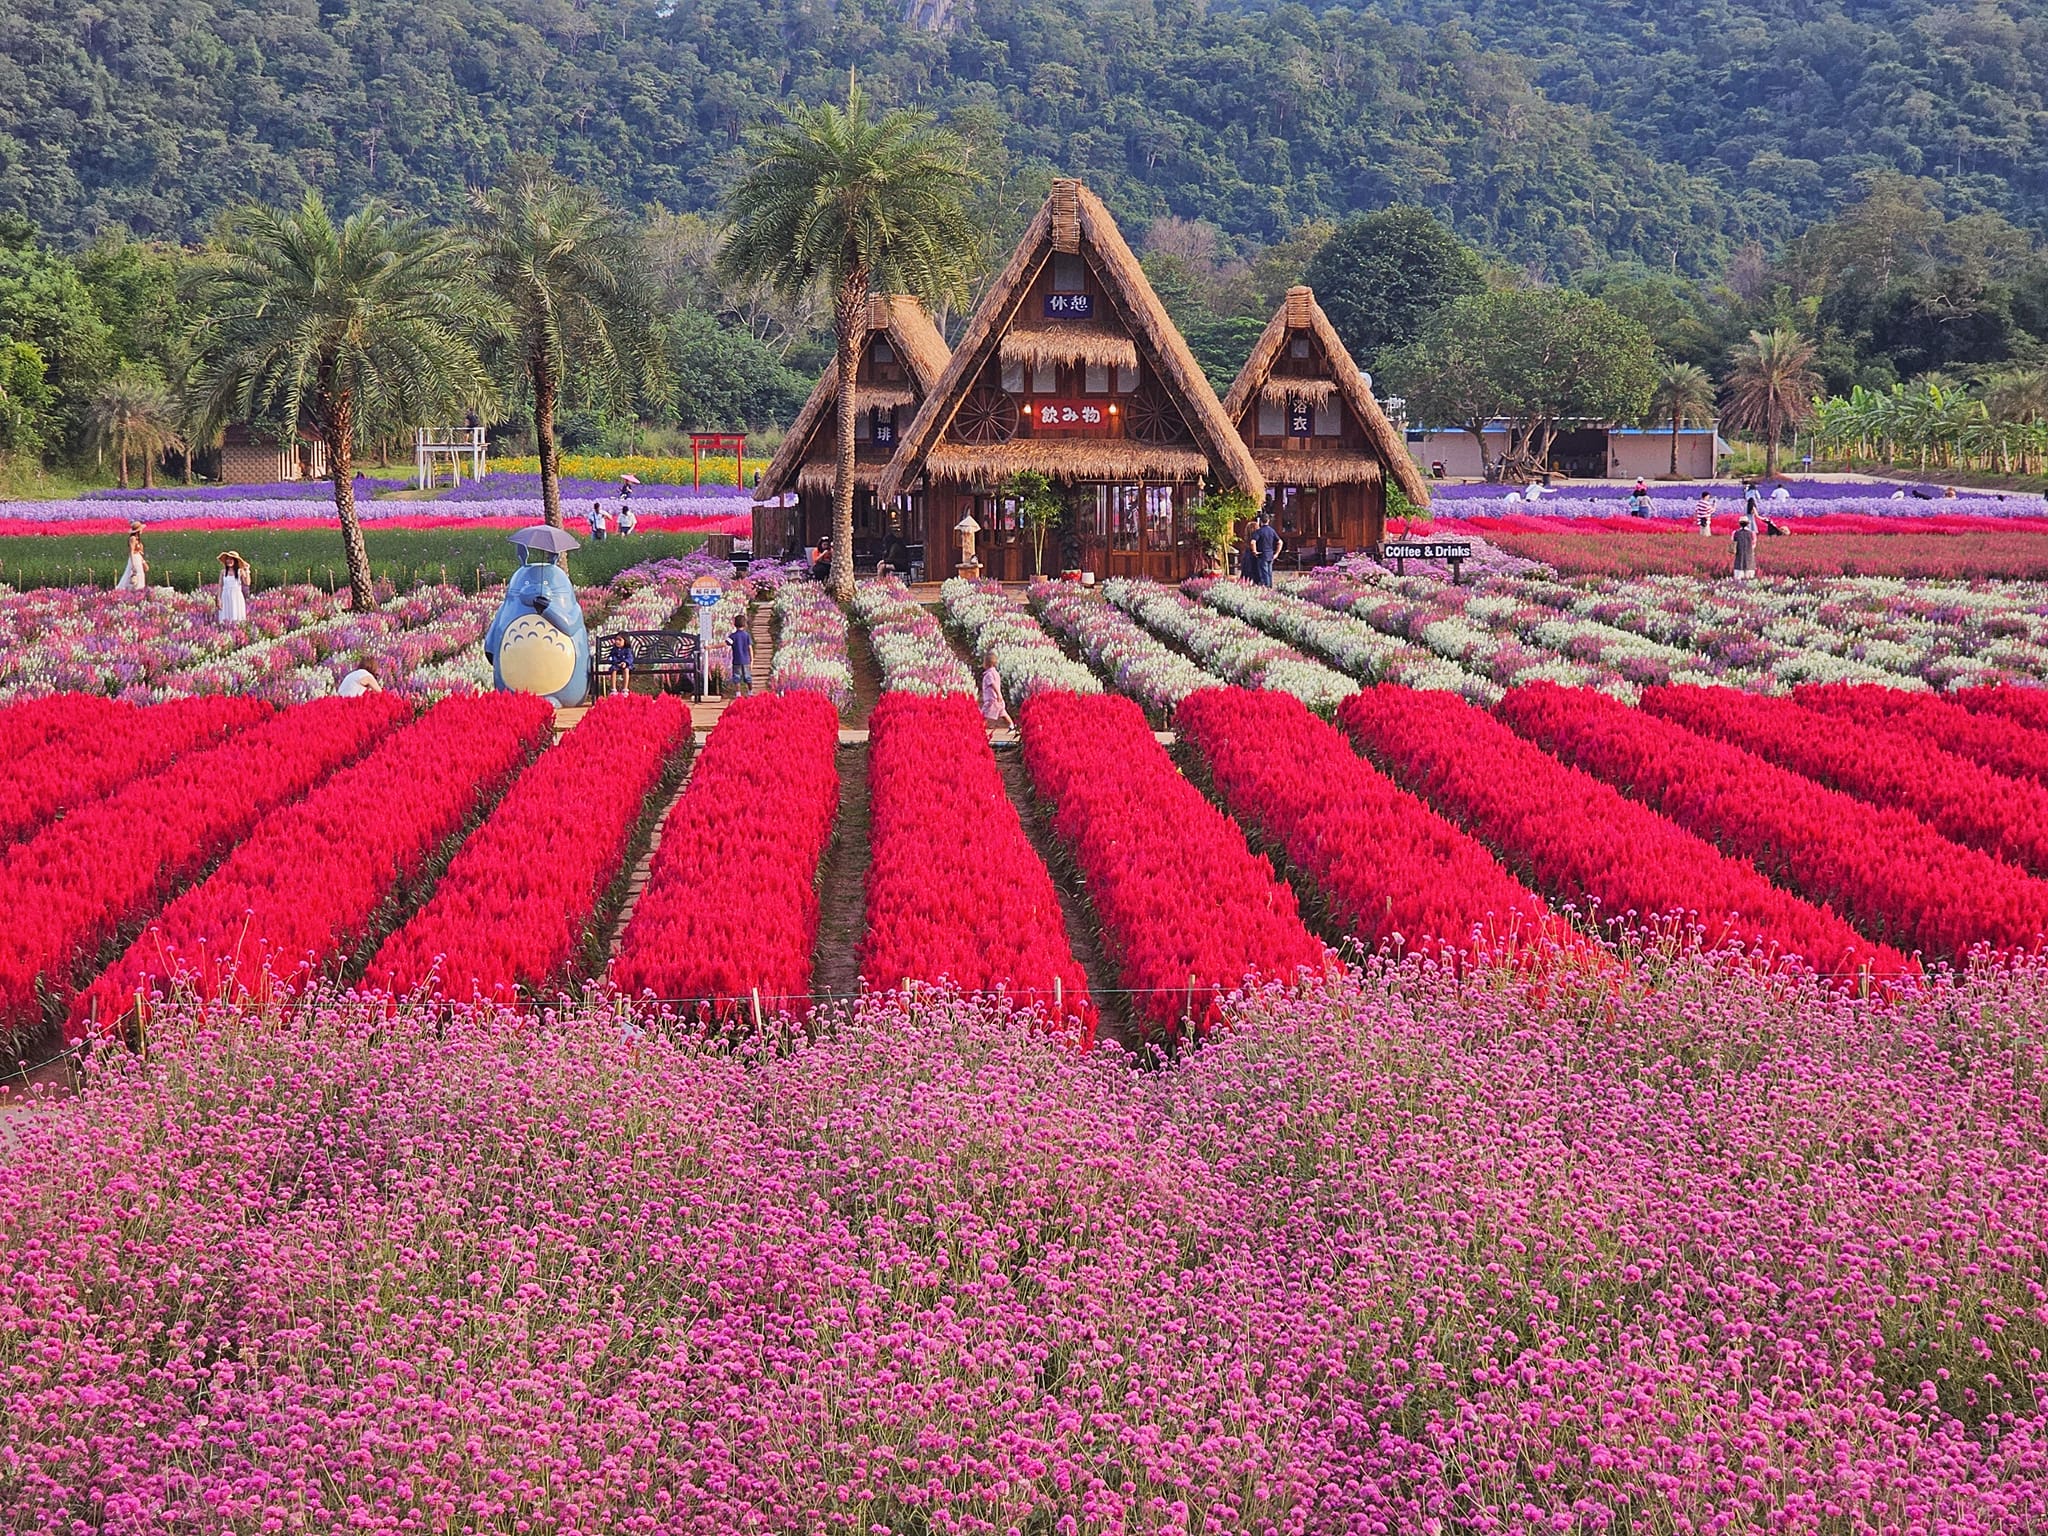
1554,132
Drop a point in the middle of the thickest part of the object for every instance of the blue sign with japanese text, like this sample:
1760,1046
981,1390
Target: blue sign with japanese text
1070,306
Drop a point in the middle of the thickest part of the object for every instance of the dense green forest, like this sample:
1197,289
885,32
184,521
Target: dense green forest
1554,133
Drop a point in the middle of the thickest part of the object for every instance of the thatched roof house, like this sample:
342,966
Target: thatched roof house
1321,442
900,358
1071,367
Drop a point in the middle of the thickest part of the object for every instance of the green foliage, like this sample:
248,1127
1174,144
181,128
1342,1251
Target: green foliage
1381,276
1215,519
25,401
1040,508
1539,357
1771,388
45,303
402,556
725,378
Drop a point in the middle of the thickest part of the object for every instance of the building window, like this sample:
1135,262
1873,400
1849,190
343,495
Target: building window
1096,379
1069,273
1119,505
860,425
1013,378
882,362
1298,347
1045,378
1272,417
1126,380
1159,517
1329,417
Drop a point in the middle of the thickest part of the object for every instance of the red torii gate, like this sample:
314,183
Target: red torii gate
702,443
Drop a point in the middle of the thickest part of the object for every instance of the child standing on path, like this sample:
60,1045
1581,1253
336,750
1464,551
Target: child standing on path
742,656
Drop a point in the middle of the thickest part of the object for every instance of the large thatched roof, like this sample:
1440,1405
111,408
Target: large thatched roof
1299,311
1074,220
923,350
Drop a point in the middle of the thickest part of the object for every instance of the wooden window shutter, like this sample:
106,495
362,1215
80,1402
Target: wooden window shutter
1066,215
878,312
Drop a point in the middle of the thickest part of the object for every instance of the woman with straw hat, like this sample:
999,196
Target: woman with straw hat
135,574
234,588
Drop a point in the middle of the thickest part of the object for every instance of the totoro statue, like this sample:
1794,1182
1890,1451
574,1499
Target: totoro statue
537,643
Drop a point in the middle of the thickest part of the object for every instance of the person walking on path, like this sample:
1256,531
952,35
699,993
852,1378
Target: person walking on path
135,574
1266,544
1745,548
742,656
1639,500
993,709
597,522
234,588
627,520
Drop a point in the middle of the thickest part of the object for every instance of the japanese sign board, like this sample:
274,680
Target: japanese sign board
1301,417
1072,417
1070,306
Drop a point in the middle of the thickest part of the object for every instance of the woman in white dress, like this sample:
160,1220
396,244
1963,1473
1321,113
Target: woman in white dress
234,588
134,575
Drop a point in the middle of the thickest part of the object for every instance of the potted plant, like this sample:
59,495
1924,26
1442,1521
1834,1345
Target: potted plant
1040,509
1214,518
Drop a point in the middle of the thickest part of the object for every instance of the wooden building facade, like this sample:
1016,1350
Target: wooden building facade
901,358
1320,440
1070,367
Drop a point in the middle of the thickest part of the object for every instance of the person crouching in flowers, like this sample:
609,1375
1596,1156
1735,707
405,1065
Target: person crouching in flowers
135,574
234,588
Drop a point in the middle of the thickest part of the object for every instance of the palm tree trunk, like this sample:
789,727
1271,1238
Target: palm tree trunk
851,321
148,470
544,391
341,459
1771,443
123,480
1674,444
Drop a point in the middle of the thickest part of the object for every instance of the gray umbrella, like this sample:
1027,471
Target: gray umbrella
554,540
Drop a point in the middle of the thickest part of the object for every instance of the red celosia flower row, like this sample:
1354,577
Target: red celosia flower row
1189,910
308,884
1877,763
72,887
76,766
1390,867
1886,870
2024,706
1997,741
955,890
516,902
55,717
731,904
1575,838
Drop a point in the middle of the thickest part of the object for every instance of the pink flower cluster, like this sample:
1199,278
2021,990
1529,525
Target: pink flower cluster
955,891
731,904
308,885
1400,1254
516,903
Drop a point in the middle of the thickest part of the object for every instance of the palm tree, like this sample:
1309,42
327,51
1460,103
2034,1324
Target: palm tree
133,415
328,327
1684,396
2018,395
573,282
1771,387
834,200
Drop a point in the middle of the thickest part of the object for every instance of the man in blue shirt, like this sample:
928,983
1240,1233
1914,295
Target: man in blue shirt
1266,545
742,656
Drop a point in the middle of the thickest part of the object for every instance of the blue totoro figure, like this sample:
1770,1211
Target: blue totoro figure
537,643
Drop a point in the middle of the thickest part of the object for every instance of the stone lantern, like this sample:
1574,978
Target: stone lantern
967,528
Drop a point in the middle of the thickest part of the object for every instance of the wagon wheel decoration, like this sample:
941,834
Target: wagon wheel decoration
986,416
1150,417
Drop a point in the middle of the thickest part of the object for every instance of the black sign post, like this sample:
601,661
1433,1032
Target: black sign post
1454,551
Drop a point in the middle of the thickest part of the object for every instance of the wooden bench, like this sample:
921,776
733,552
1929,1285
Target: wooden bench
668,655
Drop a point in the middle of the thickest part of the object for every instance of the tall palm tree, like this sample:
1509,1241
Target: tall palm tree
328,326
133,415
2018,395
1771,387
1684,396
832,199
573,283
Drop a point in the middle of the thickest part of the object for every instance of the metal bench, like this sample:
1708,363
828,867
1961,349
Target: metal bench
668,655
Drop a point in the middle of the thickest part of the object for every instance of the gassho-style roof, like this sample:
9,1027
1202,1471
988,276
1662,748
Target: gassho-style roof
901,318
1299,311
1074,220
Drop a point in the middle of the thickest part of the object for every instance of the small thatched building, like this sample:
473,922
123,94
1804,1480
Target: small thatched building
1071,367
901,357
1319,438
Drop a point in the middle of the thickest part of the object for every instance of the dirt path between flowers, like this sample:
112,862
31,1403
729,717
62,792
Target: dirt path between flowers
1083,927
843,891
867,678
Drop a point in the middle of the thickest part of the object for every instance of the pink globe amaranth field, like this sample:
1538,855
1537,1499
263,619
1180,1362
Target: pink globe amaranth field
1411,1253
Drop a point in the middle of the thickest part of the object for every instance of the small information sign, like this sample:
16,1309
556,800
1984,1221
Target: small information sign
1454,551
